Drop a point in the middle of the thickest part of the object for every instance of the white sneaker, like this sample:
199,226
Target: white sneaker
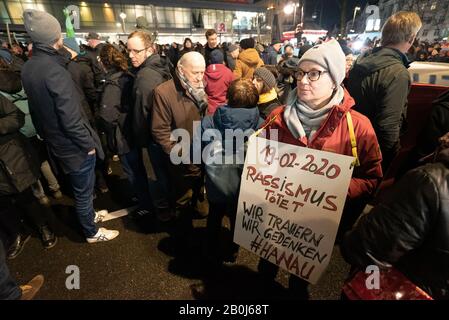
103,234
99,215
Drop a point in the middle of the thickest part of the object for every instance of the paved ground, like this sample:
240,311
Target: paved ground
141,262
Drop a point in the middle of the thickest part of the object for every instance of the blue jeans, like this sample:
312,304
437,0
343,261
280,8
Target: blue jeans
132,163
9,290
83,182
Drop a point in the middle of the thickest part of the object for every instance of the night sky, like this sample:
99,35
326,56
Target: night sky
331,10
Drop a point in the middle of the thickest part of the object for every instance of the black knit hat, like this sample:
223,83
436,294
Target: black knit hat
247,43
216,56
266,76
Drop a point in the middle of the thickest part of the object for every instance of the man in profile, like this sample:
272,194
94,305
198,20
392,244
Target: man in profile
380,83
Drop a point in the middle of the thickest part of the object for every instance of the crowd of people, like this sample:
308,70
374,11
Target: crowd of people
69,109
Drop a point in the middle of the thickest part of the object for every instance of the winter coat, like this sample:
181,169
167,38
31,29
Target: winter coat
223,180
218,79
271,57
151,73
113,112
333,136
13,91
173,108
93,54
18,168
206,51
409,229
56,109
380,84
248,61
83,77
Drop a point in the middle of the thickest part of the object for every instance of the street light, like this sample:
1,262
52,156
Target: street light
353,17
289,8
123,17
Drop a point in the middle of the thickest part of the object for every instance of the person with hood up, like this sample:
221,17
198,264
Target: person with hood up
316,117
223,180
265,83
218,79
248,60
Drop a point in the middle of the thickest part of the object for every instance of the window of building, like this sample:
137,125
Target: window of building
436,33
424,33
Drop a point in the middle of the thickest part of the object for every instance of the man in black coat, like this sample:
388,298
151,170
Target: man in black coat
152,70
55,108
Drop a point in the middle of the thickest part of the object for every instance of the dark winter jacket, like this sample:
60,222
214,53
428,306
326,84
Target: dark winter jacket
151,73
114,108
83,78
18,168
271,58
55,107
223,180
97,70
218,79
206,53
410,229
380,83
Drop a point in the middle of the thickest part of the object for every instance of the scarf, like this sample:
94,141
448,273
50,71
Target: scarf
302,120
267,97
198,94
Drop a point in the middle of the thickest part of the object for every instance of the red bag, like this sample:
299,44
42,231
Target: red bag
393,285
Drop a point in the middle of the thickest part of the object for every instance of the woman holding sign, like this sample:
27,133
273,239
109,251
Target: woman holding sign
319,115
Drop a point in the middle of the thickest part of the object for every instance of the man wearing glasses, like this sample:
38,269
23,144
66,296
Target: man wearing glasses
151,71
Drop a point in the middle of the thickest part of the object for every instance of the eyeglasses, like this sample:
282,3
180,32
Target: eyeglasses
137,51
312,75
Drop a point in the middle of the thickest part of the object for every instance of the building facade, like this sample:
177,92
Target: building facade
434,15
172,20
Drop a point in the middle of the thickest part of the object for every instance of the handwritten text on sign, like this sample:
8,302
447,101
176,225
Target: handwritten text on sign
290,205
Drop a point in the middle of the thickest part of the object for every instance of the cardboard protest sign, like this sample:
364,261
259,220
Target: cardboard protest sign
290,205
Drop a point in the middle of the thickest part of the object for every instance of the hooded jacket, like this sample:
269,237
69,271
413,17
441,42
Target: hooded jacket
218,79
248,61
223,180
333,136
409,229
151,73
380,84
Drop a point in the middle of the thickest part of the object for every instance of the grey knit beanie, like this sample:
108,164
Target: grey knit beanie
41,26
330,56
266,76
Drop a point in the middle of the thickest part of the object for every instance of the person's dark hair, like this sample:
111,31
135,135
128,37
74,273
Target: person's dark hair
185,41
111,58
210,32
242,94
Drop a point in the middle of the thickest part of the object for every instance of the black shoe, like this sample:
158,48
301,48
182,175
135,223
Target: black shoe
49,239
18,245
139,214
